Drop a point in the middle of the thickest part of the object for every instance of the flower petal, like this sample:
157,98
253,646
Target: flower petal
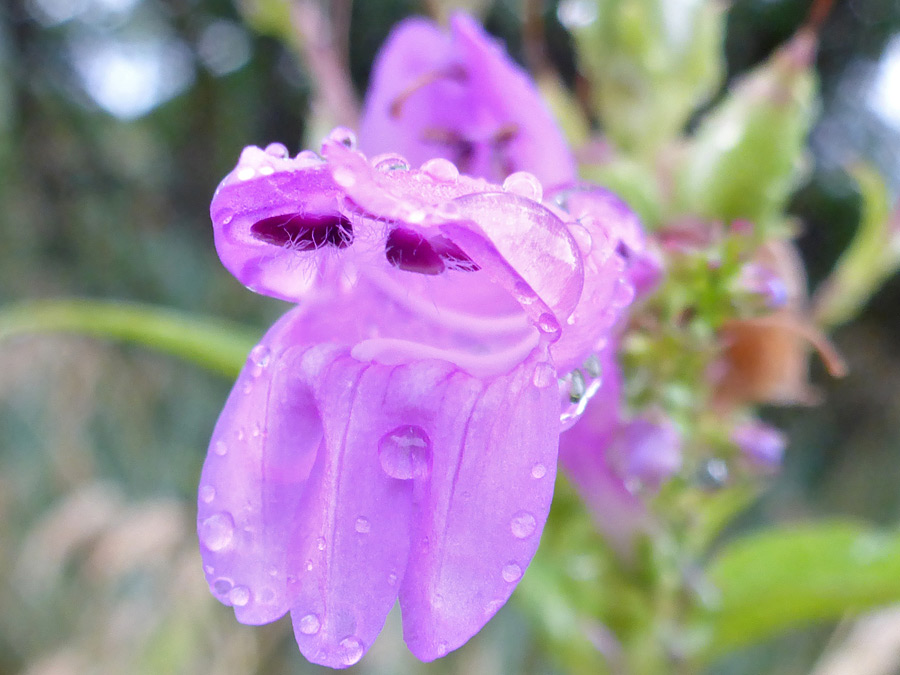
478,524
277,222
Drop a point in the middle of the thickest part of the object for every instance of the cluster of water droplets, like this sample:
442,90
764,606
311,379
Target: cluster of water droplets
577,388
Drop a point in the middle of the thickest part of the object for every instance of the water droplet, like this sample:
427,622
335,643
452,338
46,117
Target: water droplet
226,216
209,569
544,375
266,170
309,565
442,648
272,571
257,430
220,448
260,357
344,177
353,651
247,388
239,596
548,324
246,173
392,578
307,158
405,453
207,493
524,184
309,624
277,150
320,543
363,526
523,525
388,163
241,434
577,386
538,471
344,136
493,607
442,170
437,601
511,572
222,586
582,237
217,531
593,366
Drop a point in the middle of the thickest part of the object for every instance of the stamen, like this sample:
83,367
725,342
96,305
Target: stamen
451,73
303,231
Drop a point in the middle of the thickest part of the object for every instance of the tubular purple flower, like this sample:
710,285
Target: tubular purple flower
395,435
459,96
761,444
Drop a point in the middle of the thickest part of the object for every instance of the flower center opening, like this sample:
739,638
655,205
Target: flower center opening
410,251
304,231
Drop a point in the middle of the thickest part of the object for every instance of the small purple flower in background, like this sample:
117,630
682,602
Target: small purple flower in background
459,96
761,445
395,435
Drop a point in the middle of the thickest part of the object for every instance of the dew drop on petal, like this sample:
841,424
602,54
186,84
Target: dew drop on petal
220,448
217,531
320,543
207,493
226,216
363,526
523,525
388,163
239,596
511,572
353,651
392,578
309,565
405,452
309,624
441,170
344,177
246,173
442,648
538,471
544,375
260,356
307,158
344,136
548,324
272,571
277,150
582,237
222,586
437,601
524,184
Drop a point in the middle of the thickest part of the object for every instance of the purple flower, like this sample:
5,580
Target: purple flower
460,97
395,434
761,444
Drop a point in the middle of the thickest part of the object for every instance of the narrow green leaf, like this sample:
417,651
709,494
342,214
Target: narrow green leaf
787,577
217,345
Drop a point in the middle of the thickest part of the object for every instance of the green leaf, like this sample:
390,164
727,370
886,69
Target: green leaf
787,577
217,345
873,255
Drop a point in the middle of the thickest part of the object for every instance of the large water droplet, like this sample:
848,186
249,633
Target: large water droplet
538,471
277,150
511,572
239,596
405,452
344,136
207,493
217,531
442,170
544,375
352,651
523,525
524,184
309,624
363,526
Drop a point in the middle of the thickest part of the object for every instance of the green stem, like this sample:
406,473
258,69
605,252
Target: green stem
220,346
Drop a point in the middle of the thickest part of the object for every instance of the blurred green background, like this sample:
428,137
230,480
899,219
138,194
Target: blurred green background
117,120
